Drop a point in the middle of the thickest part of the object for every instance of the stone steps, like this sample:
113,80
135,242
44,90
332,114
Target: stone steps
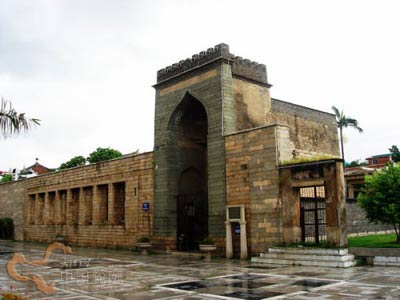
303,250
393,261
336,258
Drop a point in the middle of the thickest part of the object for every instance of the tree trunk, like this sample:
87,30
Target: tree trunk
397,233
341,146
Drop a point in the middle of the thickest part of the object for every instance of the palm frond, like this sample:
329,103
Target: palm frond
12,122
353,123
336,111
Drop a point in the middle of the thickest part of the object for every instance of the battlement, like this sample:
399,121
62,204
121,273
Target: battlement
240,66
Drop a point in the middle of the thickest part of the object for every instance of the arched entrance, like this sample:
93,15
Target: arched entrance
190,128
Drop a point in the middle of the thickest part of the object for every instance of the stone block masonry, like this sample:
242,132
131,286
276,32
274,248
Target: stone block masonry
219,144
12,197
252,179
207,78
98,205
241,67
357,222
202,86
312,132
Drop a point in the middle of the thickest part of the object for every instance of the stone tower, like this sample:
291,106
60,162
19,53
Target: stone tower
198,101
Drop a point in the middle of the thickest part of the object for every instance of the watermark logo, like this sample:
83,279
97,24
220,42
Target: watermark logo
77,272
40,283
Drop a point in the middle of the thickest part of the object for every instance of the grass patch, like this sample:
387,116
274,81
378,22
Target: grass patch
374,241
301,160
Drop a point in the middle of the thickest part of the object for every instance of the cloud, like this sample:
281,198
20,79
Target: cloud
86,67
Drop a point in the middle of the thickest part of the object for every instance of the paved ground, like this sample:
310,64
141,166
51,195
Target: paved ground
103,274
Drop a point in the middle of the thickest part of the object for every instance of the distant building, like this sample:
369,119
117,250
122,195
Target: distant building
379,161
34,170
354,176
355,180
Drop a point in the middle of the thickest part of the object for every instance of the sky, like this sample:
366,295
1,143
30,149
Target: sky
86,68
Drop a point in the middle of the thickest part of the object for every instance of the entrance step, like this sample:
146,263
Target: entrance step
336,258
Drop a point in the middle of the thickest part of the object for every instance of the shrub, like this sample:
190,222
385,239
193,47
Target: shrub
380,197
143,239
10,295
73,162
103,154
207,241
6,178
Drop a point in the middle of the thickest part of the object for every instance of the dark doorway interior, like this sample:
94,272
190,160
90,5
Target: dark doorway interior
192,198
235,227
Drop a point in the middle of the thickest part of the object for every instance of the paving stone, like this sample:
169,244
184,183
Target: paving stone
113,275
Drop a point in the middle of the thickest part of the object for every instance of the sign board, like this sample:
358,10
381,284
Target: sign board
145,206
237,229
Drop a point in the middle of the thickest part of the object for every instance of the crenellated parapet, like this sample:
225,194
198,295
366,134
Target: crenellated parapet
240,67
246,68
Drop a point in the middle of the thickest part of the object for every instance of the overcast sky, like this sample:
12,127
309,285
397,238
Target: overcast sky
85,68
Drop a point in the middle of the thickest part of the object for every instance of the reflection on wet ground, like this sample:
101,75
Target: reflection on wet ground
110,275
249,286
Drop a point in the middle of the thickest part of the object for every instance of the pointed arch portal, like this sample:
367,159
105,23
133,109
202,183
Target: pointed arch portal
189,127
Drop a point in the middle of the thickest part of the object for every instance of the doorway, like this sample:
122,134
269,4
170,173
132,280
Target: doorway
313,214
192,181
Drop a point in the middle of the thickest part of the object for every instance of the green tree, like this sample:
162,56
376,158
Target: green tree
343,122
73,162
6,178
12,122
102,154
356,163
395,153
380,197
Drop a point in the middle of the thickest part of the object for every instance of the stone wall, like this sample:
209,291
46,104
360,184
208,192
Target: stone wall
95,205
324,179
212,78
241,67
253,181
312,132
12,196
357,223
205,88
211,86
251,104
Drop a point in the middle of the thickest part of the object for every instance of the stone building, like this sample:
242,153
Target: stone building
229,162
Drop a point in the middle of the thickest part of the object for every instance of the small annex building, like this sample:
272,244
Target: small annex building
229,162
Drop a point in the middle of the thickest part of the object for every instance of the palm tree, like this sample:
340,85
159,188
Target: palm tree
344,122
12,122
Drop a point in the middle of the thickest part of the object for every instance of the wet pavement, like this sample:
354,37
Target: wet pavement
112,274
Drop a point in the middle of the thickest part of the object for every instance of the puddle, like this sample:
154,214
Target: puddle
250,284
261,267
188,286
311,283
253,295
245,276
308,274
6,252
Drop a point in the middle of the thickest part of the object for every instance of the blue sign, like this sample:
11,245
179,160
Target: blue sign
237,229
145,206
